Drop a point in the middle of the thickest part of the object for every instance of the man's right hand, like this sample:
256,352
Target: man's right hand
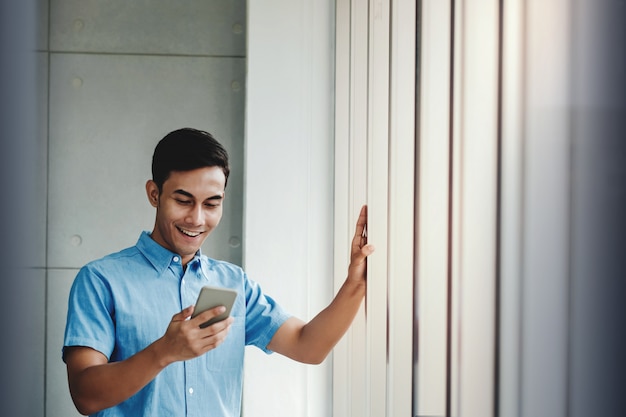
184,339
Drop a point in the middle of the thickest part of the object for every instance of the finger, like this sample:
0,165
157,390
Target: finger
207,315
360,232
184,314
217,335
221,327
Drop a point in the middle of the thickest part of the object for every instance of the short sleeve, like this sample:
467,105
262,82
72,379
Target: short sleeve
263,316
90,315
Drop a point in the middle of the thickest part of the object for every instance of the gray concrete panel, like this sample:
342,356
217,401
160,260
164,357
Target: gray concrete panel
39,189
215,27
58,399
42,18
106,115
31,291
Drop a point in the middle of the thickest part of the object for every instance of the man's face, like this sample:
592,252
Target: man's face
188,209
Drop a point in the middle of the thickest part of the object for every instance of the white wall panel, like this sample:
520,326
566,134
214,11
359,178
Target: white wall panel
377,124
401,230
214,27
351,38
474,202
289,190
374,160
433,168
511,203
107,113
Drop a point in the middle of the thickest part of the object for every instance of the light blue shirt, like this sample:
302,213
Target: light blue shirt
123,302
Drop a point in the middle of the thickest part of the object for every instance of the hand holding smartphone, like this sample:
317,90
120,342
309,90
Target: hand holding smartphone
211,297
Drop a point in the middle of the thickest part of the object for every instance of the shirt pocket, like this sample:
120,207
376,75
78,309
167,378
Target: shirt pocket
229,355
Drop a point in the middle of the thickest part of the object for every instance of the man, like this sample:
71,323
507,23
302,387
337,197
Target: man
129,348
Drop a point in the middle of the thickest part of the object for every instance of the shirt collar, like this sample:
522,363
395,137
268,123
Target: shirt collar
157,255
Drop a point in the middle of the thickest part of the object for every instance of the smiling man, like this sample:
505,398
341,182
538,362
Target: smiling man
189,207
131,346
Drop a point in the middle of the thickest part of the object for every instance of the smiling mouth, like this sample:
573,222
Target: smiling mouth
189,232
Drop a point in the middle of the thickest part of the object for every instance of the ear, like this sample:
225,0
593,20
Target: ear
152,191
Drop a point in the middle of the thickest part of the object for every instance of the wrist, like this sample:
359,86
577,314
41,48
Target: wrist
355,287
158,353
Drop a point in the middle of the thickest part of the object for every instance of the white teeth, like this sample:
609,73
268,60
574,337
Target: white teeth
188,233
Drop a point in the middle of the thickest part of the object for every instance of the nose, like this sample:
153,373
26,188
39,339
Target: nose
194,215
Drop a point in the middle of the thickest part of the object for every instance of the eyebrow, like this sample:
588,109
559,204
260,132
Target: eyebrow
188,194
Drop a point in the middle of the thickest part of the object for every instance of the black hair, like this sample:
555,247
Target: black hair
185,150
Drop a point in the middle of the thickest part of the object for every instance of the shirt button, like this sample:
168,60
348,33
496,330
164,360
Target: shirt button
190,391
176,258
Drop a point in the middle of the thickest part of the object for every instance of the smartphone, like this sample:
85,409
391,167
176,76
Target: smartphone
211,297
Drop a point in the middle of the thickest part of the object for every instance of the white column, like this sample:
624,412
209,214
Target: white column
288,222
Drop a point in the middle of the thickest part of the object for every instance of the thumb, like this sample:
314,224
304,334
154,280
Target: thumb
360,256
368,249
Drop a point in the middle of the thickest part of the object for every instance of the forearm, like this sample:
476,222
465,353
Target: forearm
101,386
323,332
311,342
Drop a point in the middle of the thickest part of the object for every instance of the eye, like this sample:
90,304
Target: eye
183,202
